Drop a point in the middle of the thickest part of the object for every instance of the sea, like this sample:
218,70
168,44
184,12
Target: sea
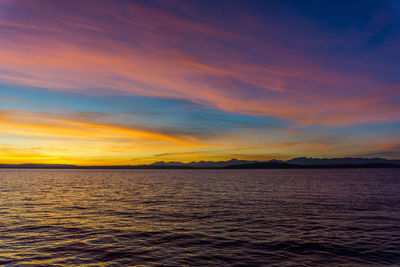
166,217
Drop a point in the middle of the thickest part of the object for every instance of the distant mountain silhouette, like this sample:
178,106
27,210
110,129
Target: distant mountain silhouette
295,163
267,165
335,161
205,164
277,165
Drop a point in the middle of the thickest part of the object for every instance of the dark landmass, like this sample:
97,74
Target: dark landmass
66,166
315,166
296,163
339,161
205,164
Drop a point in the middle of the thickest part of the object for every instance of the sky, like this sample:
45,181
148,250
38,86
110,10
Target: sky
98,82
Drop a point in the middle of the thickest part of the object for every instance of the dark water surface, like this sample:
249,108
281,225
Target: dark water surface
200,217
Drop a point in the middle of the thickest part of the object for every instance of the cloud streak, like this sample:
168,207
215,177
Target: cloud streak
185,81
77,126
139,49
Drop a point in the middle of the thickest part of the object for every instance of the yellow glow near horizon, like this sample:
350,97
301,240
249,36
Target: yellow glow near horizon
29,137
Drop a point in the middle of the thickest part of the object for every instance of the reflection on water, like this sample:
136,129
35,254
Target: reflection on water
199,217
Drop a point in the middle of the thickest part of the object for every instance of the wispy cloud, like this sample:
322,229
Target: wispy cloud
145,50
251,85
78,126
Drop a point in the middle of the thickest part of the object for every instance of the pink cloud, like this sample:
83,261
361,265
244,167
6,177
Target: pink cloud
135,49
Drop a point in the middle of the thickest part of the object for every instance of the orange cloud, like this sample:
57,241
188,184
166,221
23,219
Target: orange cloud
64,138
84,139
46,125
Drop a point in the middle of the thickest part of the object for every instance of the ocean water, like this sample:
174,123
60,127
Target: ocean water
200,217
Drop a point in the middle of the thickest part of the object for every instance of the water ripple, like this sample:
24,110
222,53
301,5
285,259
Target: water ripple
200,217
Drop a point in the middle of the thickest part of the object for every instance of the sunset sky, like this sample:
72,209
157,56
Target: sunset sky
94,82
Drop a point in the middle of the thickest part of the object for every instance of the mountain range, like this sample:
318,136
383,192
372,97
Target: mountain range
301,162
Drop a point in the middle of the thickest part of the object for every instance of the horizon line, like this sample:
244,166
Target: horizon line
199,161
